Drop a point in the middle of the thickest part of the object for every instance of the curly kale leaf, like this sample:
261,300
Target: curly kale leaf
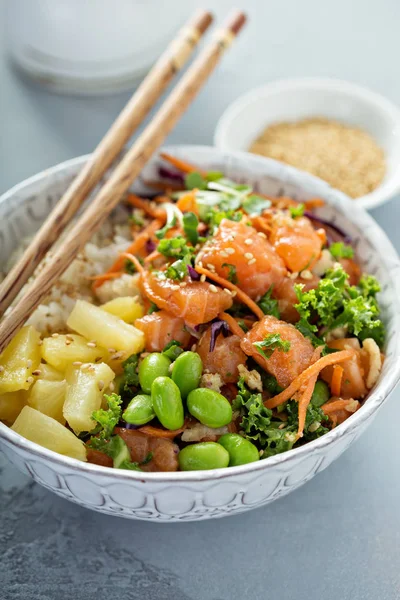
269,305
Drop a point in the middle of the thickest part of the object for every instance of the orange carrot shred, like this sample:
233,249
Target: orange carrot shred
181,164
145,205
233,325
187,203
336,381
314,203
135,261
137,244
316,367
304,401
241,295
333,406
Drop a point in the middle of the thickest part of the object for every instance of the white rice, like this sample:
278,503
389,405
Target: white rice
96,257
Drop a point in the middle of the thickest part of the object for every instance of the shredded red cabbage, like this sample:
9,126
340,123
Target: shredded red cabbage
193,273
150,246
338,230
172,175
216,328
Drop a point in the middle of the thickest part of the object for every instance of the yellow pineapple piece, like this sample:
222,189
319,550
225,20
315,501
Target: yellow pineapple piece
19,360
85,389
63,350
48,398
45,431
127,308
11,405
108,330
49,373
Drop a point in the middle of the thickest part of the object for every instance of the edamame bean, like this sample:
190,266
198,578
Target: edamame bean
187,371
203,456
209,407
241,451
139,410
320,394
154,365
167,402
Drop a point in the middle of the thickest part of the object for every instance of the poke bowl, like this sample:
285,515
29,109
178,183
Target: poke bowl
187,495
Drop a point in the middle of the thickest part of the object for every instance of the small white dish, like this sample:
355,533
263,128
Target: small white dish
295,99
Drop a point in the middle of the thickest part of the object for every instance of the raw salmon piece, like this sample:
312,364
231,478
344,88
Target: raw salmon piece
286,296
285,366
296,242
165,452
195,302
160,328
224,359
256,263
353,384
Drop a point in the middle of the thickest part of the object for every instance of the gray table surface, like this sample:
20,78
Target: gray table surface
335,538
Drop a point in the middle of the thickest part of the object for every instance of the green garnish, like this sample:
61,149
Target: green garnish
297,211
213,217
269,305
232,276
160,234
173,349
341,250
153,308
174,247
129,266
195,181
190,224
255,205
272,342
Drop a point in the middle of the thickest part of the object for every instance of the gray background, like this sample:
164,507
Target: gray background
337,537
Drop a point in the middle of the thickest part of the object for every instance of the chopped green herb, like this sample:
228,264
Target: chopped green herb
153,308
190,224
269,305
160,234
173,349
341,250
243,325
255,205
175,247
213,217
232,276
272,342
297,211
195,181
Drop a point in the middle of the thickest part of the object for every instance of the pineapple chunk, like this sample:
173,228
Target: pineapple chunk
45,431
48,398
11,405
19,359
108,330
49,373
61,351
86,386
127,308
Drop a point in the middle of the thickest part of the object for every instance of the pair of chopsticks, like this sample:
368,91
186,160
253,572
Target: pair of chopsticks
173,59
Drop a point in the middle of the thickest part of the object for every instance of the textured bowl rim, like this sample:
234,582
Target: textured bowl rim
386,190
388,257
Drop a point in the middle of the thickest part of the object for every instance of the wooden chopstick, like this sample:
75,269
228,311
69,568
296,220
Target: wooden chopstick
171,61
123,176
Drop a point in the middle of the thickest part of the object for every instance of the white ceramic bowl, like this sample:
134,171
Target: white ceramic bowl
205,494
295,99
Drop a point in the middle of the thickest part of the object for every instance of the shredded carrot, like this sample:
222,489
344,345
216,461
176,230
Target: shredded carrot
106,276
335,405
241,295
160,433
155,254
137,244
135,261
314,203
181,164
187,203
145,205
233,326
316,367
336,381
304,401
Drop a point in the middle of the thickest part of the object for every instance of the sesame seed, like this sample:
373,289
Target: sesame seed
28,363
228,291
248,242
69,337
37,372
91,344
112,387
30,380
229,250
174,287
85,366
111,350
40,342
210,266
262,234
251,261
306,274
194,348
293,275
101,384
213,288
68,342
248,255
55,335
281,426
203,278
200,264
77,363
117,355
233,293
224,254
183,284
1,369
